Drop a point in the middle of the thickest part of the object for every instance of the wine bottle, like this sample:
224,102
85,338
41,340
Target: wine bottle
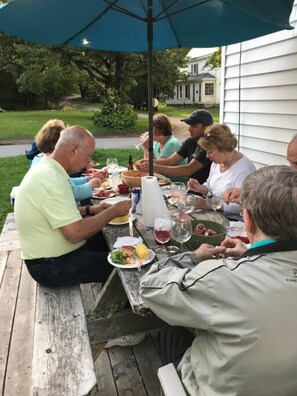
130,163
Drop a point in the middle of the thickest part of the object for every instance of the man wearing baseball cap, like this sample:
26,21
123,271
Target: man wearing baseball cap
198,165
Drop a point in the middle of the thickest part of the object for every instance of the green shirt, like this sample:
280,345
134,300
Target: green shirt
44,204
170,147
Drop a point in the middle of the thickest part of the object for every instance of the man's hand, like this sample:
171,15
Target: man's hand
232,195
233,247
121,208
142,165
206,251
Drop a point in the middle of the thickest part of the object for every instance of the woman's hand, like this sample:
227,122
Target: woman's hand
144,140
95,182
201,203
232,195
194,185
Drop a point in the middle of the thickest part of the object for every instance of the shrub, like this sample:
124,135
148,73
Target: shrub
115,116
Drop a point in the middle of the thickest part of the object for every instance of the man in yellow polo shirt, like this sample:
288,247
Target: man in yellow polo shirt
62,244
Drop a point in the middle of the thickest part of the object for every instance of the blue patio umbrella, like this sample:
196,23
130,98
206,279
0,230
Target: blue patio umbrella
143,25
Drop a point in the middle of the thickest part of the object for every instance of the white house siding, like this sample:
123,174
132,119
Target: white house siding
259,78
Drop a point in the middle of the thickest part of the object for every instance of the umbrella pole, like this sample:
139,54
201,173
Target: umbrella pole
150,83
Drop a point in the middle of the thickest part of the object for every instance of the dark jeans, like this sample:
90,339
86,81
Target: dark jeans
173,343
84,265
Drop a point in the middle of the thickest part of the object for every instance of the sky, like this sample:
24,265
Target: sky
194,52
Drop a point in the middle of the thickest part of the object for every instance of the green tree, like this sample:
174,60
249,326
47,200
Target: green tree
214,61
167,71
36,70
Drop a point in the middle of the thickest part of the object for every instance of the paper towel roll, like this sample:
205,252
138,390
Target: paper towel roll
153,203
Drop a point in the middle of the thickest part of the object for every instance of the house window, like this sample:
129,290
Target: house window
180,91
209,89
187,93
194,69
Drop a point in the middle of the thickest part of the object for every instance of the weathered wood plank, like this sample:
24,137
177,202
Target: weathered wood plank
18,376
105,379
126,373
3,260
148,362
61,344
9,239
112,297
87,297
8,299
124,323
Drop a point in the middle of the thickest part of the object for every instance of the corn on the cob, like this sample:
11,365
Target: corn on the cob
142,251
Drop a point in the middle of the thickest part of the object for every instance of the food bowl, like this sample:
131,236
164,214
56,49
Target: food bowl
133,177
215,240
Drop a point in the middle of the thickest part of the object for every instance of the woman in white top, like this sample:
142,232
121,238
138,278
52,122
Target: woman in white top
229,167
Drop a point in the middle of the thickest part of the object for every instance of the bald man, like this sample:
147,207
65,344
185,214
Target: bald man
61,244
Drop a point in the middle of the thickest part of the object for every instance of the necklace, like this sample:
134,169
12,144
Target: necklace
234,158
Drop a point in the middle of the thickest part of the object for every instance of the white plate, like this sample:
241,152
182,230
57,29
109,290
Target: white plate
130,266
110,196
116,199
164,183
124,222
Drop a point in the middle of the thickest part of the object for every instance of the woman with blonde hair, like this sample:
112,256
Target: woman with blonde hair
229,167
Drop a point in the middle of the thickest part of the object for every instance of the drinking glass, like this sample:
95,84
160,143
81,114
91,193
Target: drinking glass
181,229
215,200
145,134
178,192
111,164
188,204
162,232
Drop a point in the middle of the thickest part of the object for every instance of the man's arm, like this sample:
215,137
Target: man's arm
100,216
179,170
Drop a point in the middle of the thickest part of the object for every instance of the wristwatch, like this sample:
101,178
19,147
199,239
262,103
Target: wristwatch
88,213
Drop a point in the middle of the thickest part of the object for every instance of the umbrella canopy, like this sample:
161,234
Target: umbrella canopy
143,25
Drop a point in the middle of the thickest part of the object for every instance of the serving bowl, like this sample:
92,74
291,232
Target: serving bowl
215,240
133,177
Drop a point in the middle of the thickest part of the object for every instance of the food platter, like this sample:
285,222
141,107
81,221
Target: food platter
131,266
122,223
106,194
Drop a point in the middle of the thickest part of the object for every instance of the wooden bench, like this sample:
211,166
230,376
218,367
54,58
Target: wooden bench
44,347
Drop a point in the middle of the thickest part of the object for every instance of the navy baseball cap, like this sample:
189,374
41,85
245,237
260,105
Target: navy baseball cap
199,117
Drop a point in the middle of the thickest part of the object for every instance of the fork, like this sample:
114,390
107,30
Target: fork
130,224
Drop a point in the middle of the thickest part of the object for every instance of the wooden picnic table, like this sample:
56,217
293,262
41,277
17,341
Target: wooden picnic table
112,314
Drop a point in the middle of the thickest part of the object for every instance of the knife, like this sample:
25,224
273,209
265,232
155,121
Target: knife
130,224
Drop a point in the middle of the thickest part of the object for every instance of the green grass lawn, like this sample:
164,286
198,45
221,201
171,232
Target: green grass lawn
13,169
25,124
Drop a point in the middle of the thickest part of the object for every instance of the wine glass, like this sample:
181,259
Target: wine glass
162,232
215,200
181,229
144,135
188,204
178,192
111,164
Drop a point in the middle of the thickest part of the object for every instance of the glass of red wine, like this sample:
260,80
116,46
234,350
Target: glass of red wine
162,232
